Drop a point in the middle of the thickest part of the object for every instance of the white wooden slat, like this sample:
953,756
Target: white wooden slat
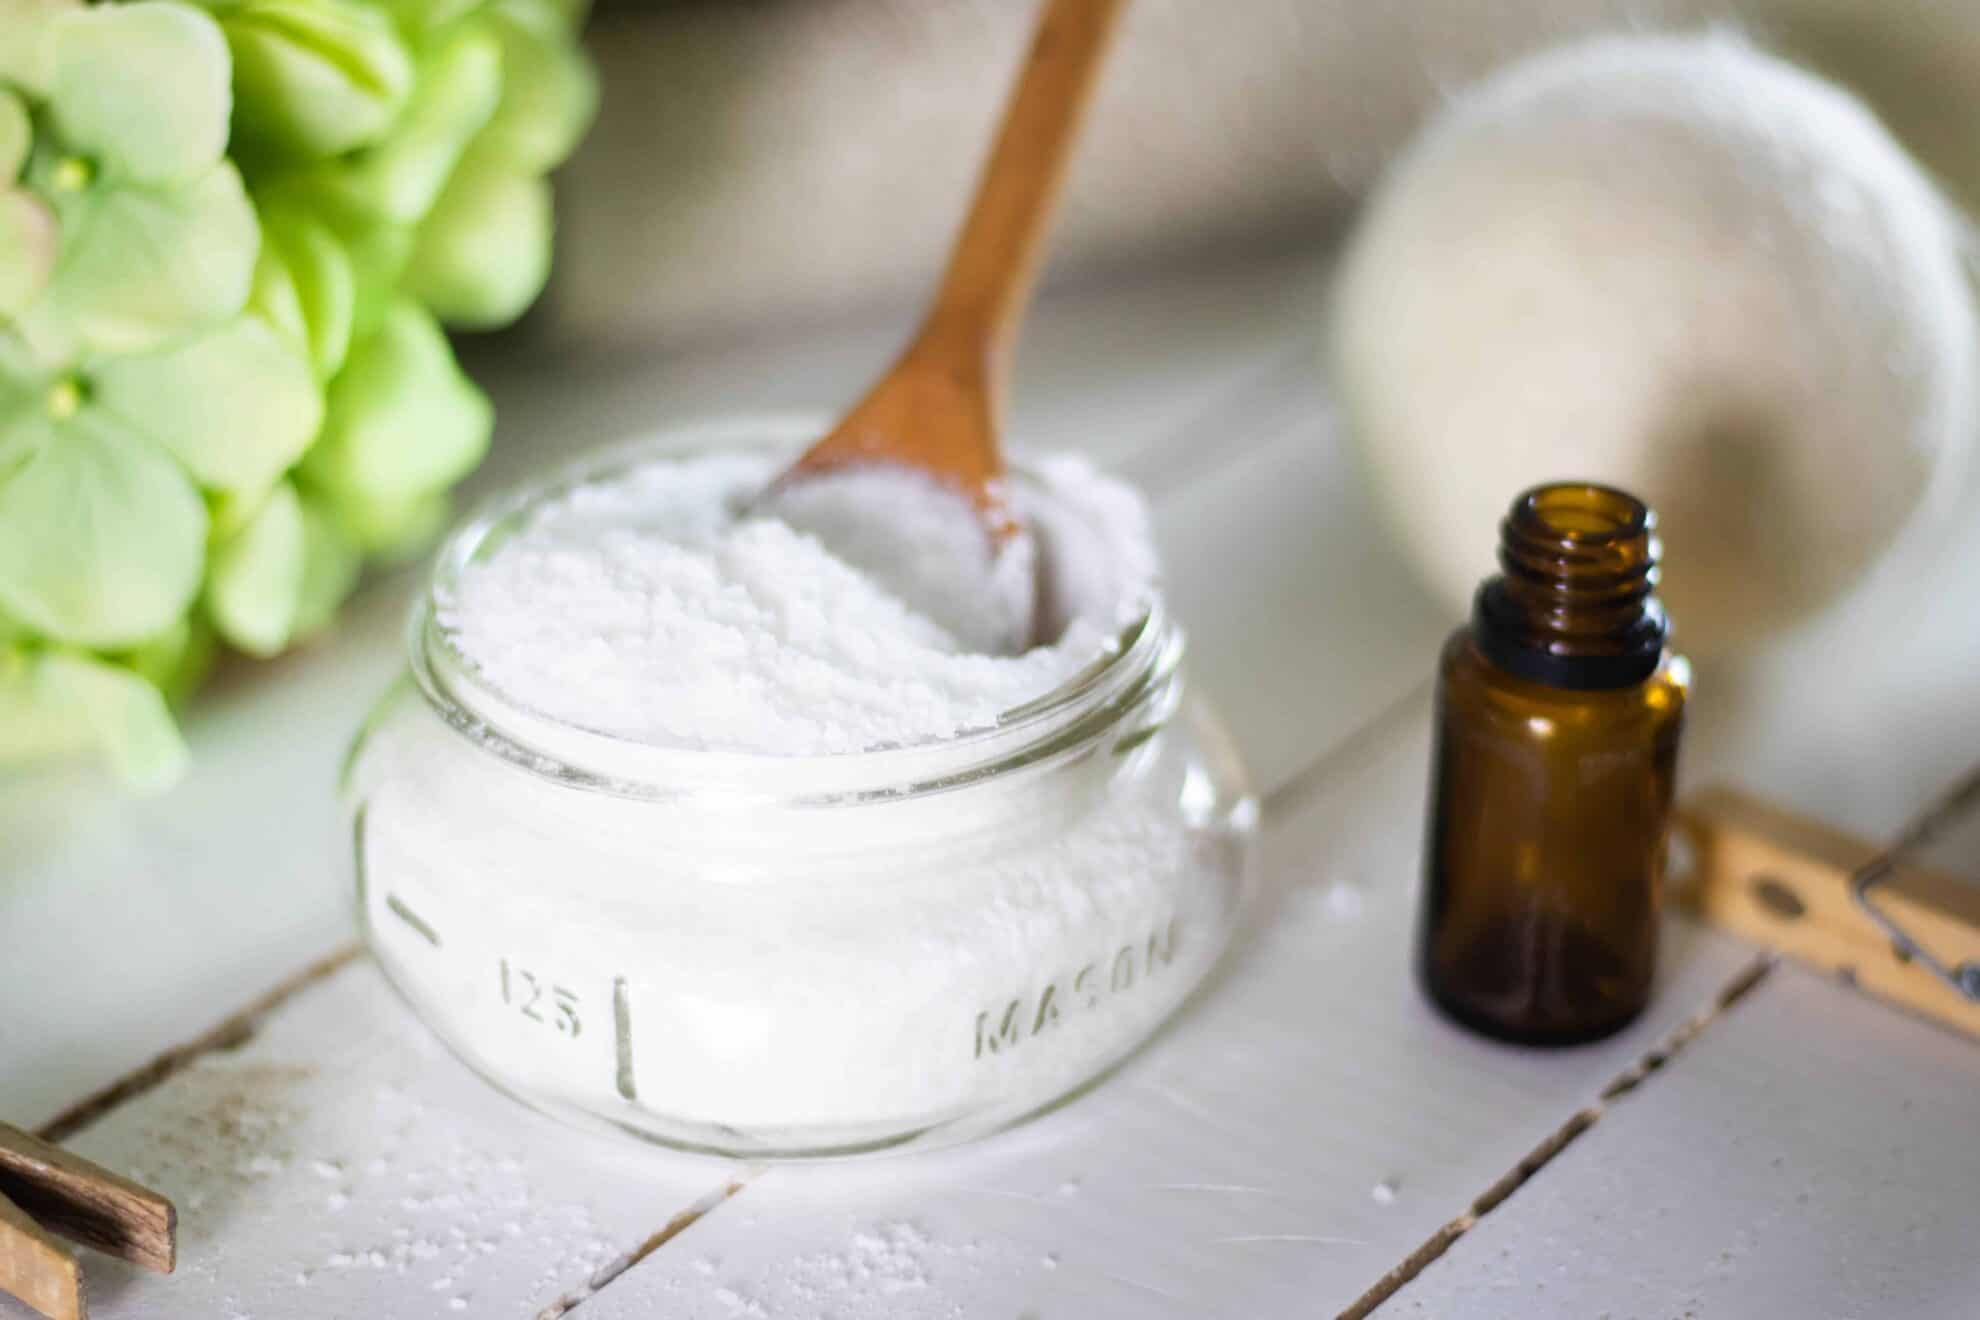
133,924
342,1164
1304,622
1304,1126
1812,1156
150,919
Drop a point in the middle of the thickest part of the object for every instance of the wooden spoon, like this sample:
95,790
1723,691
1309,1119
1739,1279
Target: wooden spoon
938,410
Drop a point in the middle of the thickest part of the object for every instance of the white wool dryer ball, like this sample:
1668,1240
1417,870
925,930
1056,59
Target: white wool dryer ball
1680,266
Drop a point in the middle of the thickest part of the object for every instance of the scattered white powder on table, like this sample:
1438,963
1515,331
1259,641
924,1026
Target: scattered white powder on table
652,606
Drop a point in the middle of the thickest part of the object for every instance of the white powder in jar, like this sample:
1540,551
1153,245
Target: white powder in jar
790,973
656,606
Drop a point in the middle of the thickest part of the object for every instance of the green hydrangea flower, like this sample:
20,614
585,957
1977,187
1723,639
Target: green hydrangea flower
230,233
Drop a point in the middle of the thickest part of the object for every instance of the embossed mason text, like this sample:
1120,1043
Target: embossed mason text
1009,1024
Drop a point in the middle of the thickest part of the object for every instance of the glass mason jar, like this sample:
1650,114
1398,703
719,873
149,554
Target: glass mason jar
789,956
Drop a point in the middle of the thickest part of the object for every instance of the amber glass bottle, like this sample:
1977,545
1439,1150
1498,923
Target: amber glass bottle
1558,715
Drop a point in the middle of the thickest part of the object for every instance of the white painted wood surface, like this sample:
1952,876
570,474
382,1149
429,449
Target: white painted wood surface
1304,1125
342,1164
1812,1156
1297,1132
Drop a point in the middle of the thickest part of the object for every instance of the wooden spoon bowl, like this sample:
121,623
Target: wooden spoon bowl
938,410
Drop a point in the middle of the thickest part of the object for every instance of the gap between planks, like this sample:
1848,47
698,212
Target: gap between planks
239,1027
1742,983
1302,786
666,1233
231,1032
1297,788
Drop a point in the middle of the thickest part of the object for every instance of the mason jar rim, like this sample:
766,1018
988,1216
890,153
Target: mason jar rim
1065,723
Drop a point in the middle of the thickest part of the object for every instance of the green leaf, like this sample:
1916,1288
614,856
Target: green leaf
56,702
142,89
24,44
484,252
143,266
314,78
29,241
237,406
331,561
549,88
305,284
402,420
102,536
16,135
255,585
398,179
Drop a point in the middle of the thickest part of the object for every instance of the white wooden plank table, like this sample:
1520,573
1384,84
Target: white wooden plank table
1847,1181
1303,1129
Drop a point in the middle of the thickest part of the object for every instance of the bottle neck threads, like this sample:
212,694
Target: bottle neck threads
1575,603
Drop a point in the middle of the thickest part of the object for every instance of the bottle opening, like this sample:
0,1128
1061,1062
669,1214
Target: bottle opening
1584,512
1575,603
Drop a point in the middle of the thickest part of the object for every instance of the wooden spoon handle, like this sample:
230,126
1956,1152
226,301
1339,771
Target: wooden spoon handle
983,292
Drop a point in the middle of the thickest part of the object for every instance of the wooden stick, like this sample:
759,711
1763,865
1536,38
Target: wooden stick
1784,881
37,1269
86,1203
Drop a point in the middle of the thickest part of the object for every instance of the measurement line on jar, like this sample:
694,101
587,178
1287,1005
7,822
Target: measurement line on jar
412,918
357,857
622,1027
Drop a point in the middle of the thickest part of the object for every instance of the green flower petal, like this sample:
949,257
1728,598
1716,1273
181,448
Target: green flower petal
175,660
56,702
25,425
420,17
484,252
402,419
24,44
141,267
549,88
378,255
255,584
314,78
237,406
392,527
29,240
305,284
398,179
375,250
273,295
26,429
331,561
142,88
16,135
102,536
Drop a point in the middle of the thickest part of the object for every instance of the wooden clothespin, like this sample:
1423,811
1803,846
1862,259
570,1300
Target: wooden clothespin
1897,927
46,1190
